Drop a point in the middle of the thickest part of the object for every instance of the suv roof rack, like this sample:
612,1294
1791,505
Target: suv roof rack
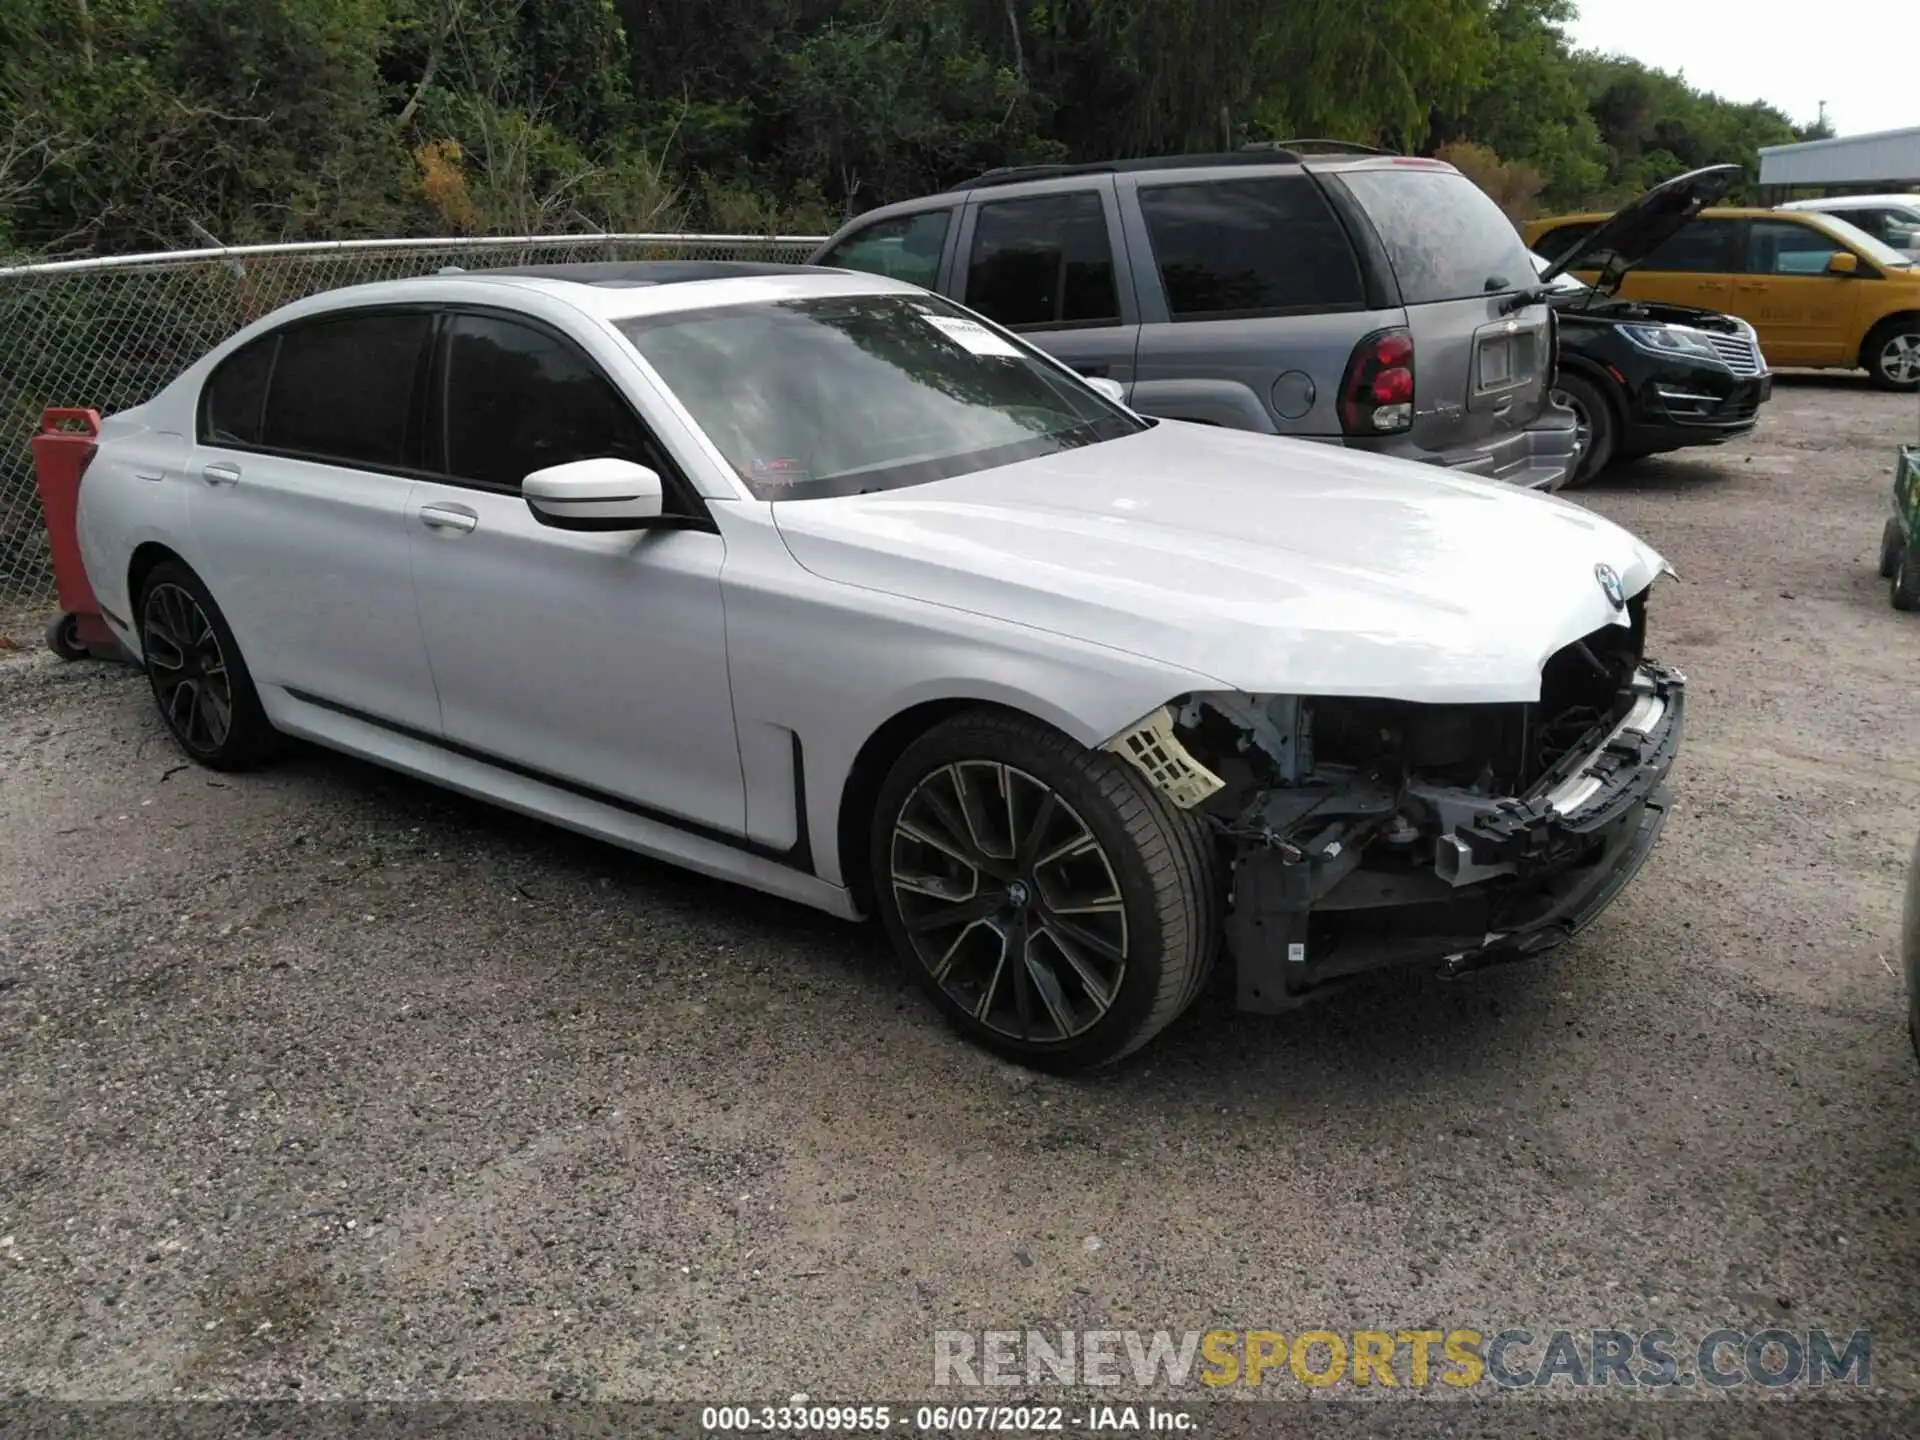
627,274
1323,147
1014,174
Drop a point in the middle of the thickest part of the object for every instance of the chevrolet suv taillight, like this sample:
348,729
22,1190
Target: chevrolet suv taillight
1376,397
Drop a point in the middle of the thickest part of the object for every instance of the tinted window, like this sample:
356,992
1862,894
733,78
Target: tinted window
904,248
1446,239
518,400
1249,245
343,389
1045,261
1699,247
1556,242
1779,247
230,406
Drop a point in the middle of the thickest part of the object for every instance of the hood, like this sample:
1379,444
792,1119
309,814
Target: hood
1643,226
1267,565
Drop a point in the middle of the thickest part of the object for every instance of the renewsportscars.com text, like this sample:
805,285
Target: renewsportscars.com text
1511,1359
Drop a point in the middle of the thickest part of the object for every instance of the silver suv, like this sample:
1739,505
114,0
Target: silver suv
1372,300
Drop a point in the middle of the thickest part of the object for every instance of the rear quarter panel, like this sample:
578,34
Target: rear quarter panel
133,493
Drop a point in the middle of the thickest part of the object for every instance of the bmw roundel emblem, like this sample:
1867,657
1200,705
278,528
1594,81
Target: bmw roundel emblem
1609,579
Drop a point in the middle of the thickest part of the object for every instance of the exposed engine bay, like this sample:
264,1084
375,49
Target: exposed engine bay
1653,313
1363,833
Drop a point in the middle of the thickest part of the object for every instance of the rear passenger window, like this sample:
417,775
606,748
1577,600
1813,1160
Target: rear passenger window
518,400
1248,247
343,389
1554,243
1043,261
906,247
1704,247
230,406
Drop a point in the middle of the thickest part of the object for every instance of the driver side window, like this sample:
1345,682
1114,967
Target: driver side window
517,399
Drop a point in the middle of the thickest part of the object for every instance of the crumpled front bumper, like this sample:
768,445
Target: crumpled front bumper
1557,856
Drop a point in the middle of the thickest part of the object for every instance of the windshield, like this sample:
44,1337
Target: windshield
1561,282
850,393
1885,256
1446,239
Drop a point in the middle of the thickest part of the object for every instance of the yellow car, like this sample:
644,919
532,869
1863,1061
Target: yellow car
1820,292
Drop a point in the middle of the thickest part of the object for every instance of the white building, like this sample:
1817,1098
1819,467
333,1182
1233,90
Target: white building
1889,160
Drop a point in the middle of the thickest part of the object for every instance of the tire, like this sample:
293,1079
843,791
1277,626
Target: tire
1892,354
178,618
1118,930
1892,542
63,637
1594,411
1906,581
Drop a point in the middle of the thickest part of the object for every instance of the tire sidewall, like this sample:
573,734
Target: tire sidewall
1876,348
986,737
248,733
1602,430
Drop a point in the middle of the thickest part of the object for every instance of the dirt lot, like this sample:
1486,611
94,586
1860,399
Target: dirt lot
319,1081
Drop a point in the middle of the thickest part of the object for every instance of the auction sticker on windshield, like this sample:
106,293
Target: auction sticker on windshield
971,335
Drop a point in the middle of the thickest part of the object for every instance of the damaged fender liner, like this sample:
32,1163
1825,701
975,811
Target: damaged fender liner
1566,848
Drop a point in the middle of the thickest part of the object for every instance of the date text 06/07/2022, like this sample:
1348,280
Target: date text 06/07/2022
802,1418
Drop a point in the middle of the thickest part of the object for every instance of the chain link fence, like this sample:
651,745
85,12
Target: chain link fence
110,333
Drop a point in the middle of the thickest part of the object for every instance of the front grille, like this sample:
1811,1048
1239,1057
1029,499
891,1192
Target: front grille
1738,353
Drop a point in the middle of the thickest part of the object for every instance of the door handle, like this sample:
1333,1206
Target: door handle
448,517
220,474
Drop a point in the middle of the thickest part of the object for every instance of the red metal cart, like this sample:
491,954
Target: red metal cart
62,450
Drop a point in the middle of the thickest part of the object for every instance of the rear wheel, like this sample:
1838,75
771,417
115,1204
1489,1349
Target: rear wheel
1906,581
199,679
1054,906
1598,430
1892,542
1892,354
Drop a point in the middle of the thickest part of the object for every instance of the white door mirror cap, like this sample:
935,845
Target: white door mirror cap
600,494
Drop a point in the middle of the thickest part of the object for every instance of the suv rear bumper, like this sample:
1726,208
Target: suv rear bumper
1537,458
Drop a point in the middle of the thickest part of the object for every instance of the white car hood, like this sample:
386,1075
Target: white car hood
1267,565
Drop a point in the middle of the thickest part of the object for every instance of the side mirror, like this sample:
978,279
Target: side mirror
605,494
1112,389
1843,262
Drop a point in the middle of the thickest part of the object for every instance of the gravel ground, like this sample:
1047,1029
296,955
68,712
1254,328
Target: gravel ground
320,1082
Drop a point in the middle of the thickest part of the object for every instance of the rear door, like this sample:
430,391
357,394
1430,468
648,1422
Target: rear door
302,469
1480,365
1253,299
1695,267
1803,314
1049,265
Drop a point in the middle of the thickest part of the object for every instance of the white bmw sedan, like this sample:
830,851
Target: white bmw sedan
819,583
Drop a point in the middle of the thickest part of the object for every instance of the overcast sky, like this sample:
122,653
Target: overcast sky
1862,58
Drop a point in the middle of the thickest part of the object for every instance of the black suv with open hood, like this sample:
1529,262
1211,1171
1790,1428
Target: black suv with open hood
1645,377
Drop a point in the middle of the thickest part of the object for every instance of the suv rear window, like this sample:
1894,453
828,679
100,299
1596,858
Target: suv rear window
1446,239
1240,247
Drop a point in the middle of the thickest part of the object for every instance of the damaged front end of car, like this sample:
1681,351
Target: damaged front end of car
1362,834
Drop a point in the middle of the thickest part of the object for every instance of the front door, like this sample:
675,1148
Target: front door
1047,265
1785,293
594,659
298,504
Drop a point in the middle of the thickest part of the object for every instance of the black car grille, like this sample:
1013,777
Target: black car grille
1737,353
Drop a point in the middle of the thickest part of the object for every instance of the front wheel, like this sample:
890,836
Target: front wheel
1892,354
1054,906
1593,417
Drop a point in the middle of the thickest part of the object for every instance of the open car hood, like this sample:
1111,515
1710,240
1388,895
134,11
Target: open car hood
1644,225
